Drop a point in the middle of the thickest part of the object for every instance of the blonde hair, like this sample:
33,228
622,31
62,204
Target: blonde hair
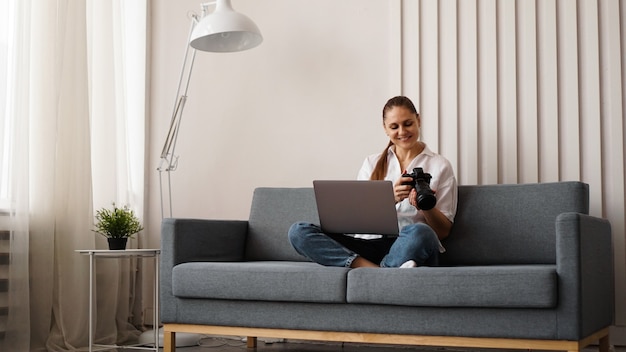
380,170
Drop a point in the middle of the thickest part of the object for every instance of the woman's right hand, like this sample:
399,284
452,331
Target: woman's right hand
402,188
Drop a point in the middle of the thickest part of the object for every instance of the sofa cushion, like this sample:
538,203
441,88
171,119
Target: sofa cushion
260,281
515,286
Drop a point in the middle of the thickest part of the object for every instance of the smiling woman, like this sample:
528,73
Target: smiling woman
72,126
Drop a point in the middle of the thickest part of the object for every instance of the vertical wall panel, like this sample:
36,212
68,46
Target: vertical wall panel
410,51
449,82
395,48
468,92
429,72
589,92
487,165
547,91
519,91
507,92
613,79
567,68
528,163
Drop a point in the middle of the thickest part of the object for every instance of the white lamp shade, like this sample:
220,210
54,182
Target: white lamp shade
225,30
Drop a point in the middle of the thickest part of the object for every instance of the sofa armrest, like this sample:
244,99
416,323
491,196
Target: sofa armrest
584,259
193,240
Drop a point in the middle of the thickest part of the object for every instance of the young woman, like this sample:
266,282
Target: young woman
418,243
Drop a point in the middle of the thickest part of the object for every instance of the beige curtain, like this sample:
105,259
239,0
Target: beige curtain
75,96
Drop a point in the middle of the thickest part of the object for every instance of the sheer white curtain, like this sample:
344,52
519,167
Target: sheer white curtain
71,140
13,187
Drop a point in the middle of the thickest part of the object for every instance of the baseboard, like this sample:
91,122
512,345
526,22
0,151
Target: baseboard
617,335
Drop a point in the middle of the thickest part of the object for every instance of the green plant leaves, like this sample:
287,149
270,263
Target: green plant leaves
117,222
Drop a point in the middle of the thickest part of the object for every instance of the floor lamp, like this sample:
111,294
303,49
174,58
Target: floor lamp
223,30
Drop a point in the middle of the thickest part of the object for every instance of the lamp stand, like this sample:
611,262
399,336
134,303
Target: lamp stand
223,30
169,163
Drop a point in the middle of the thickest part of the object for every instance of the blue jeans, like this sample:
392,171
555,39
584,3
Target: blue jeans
416,242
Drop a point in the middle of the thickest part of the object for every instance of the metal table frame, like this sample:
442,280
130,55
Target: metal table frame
128,253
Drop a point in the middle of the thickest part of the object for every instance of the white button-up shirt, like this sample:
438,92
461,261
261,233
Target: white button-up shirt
443,182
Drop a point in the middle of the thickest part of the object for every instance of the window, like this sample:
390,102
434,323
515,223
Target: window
6,118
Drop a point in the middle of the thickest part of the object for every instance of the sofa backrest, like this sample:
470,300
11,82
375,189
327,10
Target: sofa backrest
273,211
511,224
494,224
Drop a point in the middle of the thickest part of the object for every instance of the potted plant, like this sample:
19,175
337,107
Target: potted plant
117,225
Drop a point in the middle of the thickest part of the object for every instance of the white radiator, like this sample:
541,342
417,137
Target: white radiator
4,280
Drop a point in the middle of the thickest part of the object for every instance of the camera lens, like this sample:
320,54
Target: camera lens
426,200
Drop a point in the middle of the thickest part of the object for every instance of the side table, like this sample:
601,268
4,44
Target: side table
127,253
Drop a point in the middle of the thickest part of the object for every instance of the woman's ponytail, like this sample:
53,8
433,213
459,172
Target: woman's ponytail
380,170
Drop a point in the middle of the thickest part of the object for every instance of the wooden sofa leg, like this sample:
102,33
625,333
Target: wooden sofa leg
251,342
604,344
169,341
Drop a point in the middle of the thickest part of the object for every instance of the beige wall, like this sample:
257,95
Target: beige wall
510,92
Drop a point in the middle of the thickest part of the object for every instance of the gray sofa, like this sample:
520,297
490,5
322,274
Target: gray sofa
525,267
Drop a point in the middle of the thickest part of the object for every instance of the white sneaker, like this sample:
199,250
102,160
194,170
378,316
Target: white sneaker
409,264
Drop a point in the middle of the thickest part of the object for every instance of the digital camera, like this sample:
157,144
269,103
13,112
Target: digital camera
426,199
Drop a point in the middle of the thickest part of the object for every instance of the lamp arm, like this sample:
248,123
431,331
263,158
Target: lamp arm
169,160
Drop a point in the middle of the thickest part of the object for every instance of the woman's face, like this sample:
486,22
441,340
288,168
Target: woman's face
402,127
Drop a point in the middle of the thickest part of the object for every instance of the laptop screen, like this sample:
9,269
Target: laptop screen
356,207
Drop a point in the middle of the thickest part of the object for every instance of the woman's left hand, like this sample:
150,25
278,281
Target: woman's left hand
413,198
402,188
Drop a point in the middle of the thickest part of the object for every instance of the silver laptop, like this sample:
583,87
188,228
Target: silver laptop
356,207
